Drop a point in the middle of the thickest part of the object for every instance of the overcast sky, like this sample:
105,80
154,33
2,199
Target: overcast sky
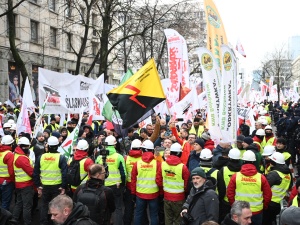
261,25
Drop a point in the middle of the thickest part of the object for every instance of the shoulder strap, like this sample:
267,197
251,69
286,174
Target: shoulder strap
210,172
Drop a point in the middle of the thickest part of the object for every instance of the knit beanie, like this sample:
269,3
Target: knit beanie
200,142
198,172
290,216
248,140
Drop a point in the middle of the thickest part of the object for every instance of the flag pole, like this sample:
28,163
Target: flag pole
114,112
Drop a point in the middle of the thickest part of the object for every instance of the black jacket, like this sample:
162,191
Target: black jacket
233,165
221,162
228,221
203,204
79,216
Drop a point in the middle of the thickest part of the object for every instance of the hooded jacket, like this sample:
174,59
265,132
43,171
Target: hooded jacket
203,204
135,154
174,161
186,147
234,166
250,170
81,213
23,163
209,144
39,148
9,161
253,147
147,157
217,152
221,162
79,155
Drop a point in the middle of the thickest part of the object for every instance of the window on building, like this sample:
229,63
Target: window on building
53,36
95,47
52,5
15,24
68,10
34,30
69,41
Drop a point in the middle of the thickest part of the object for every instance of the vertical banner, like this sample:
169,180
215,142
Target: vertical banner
263,91
216,35
228,96
211,74
14,82
178,66
34,84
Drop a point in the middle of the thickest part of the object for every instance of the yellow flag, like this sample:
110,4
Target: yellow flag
216,35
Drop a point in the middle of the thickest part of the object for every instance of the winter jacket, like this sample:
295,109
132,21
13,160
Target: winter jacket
94,183
274,178
79,215
134,154
79,155
203,204
217,152
193,161
234,166
221,162
174,160
253,147
250,170
147,157
23,163
259,147
228,221
9,161
186,147
209,144
39,149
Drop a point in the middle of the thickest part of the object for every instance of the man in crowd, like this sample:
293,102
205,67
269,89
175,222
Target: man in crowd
240,214
98,198
202,203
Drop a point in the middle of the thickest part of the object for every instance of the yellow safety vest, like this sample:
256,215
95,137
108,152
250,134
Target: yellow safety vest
50,171
286,155
172,178
213,174
279,191
295,201
20,175
83,173
146,183
260,146
129,165
200,130
248,188
227,174
285,107
270,142
3,166
113,167
54,127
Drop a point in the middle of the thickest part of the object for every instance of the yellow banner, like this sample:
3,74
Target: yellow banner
216,35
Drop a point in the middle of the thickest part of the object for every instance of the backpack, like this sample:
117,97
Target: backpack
73,174
95,200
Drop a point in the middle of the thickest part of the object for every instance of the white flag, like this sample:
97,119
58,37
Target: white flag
239,48
23,124
27,96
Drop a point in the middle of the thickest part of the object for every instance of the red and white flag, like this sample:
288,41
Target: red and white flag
94,109
239,47
23,123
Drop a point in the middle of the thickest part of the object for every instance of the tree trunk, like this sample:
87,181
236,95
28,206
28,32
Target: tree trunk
18,60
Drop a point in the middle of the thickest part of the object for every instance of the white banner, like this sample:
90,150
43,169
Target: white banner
67,93
178,65
228,98
246,114
211,74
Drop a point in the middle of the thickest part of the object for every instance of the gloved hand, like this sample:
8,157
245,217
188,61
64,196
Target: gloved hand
133,198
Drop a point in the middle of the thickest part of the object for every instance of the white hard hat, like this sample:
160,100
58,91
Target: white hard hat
52,141
264,122
110,140
11,121
24,141
13,127
263,112
268,127
82,145
234,153
176,147
249,156
278,158
206,154
7,140
6,125
136,144
147,144
268,150
260,132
